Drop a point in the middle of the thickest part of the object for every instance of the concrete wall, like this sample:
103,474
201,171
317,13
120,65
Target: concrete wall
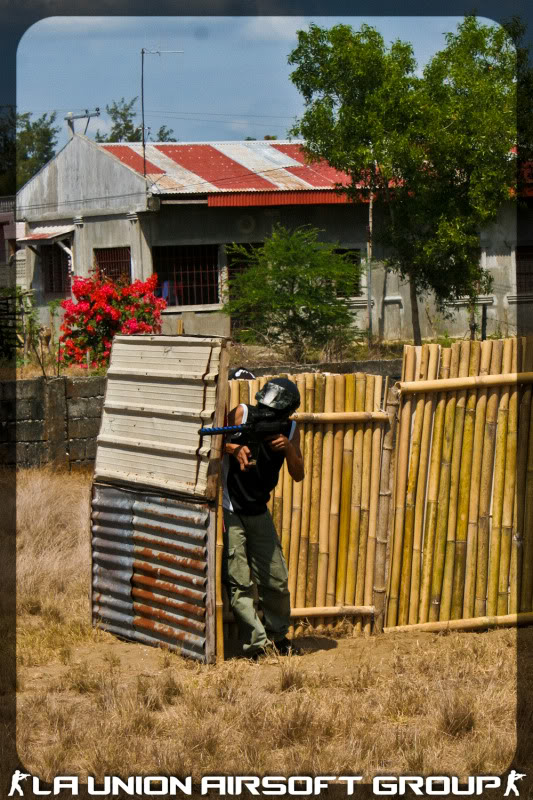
52,421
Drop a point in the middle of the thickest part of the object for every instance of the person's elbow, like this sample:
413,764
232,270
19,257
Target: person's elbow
297,473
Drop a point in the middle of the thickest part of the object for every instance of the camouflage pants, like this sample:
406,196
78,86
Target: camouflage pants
252,552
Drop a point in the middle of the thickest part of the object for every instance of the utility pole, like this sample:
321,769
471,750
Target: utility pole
369,265
148,52
70,117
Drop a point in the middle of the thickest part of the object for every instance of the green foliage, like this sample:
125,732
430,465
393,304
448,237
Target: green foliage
435,150
35,144
8,126
124,129
293,292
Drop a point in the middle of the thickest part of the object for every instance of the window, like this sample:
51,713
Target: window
524,270
55,264
354,287
187,274
113,262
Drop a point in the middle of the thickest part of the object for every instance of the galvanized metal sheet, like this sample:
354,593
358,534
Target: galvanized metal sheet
218,167
160,391
151,576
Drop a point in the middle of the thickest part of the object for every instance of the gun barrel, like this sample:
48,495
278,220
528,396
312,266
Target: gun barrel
224,429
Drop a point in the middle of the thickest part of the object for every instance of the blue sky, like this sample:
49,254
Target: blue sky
231,81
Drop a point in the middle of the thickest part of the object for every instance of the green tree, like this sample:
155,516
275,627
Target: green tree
433,151
35,144
123,127
8,149
293,292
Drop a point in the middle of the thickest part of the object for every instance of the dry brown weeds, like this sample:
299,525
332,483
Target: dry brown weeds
89,704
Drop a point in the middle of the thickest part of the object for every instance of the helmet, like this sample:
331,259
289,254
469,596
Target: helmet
279,394
240,373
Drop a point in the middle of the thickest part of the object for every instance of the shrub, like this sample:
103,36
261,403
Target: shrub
103,309
293,291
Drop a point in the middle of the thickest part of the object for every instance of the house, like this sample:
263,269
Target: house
12,257
172,208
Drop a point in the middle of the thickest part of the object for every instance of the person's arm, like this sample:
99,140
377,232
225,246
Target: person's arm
239,451
293,454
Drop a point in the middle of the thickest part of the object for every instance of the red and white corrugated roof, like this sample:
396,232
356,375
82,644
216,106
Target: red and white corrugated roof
232,168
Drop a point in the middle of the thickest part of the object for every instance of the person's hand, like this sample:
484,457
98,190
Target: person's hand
278,443
242,454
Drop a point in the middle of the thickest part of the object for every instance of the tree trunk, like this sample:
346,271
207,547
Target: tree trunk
417,337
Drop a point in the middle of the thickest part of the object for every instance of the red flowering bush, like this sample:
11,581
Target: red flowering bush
103,309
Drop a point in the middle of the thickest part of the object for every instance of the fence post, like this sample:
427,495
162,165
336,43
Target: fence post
385,492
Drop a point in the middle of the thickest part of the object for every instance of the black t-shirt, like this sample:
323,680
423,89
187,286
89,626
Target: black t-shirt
249,492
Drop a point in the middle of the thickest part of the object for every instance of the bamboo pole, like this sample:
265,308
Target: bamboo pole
325,496
342,416
365,499
296,514
333,611
432,496
463,501
385,495
334,514
314,522
475,623
355,505
374,501
303,552
508,494
412,387
485,494
475,484
498,487
450,365
346,488
526,586
400,489
288,488
524,432
457,447
410,496
421,487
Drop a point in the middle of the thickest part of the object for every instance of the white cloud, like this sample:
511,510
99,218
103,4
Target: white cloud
271,29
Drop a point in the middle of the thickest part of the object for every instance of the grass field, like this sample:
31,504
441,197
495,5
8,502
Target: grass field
91,704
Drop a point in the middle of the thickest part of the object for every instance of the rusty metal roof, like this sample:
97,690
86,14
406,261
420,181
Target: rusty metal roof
44,232
230,168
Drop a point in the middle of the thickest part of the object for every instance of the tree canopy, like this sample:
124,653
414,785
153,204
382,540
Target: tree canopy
435,150
36,142
292,292
123,127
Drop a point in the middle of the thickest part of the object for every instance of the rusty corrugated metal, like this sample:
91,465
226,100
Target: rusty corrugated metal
150,579
308,198
218,167
160,391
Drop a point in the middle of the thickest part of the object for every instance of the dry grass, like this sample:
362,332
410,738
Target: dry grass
89,704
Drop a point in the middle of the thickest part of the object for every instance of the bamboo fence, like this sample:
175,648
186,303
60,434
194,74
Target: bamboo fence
462,527
416,514
328,523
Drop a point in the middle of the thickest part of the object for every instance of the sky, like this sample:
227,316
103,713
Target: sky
231,80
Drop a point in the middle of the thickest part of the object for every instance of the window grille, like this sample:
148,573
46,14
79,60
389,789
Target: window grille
56,277
187,274
113,262
524,270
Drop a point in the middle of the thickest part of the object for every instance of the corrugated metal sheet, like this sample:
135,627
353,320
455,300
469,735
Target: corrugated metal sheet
160,391
217,167
151,575
45,232
311,198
